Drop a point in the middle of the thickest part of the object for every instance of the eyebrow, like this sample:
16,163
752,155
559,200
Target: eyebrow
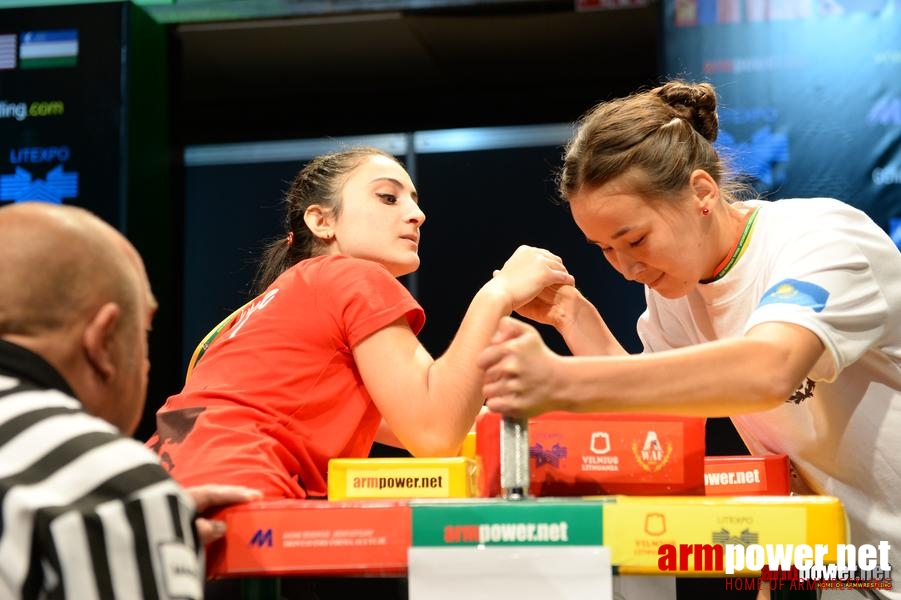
619,233
413,194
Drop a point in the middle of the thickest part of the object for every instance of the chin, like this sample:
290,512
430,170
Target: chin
403,268
673,294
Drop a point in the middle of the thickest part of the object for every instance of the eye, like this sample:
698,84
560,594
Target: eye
637,242
388,198
607,250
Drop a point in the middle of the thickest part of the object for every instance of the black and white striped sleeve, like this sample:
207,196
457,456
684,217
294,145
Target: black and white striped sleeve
86,512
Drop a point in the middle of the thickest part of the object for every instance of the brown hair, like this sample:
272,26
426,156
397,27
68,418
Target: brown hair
319,182
665,133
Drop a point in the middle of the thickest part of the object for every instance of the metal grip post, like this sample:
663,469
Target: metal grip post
514,457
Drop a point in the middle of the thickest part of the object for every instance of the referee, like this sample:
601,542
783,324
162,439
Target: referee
85,511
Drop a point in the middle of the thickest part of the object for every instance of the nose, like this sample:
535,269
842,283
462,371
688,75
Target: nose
629,268
415,214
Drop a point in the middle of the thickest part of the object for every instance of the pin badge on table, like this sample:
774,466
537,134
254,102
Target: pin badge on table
514,458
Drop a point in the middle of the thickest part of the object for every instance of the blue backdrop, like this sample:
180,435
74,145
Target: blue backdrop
810,93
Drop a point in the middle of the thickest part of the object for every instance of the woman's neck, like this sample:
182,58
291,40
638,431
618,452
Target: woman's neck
734,232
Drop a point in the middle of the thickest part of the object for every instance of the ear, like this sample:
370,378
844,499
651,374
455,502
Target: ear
704,189
320,220
99,337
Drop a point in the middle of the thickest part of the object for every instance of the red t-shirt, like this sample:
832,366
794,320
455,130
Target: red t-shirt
278,393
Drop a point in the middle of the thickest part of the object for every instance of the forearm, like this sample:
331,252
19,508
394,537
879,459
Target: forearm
454,380
717,379
586,333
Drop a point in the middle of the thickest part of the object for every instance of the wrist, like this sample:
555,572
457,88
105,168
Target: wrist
561,385
494,292
568,313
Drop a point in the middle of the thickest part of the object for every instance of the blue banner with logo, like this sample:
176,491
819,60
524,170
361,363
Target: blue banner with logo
809,93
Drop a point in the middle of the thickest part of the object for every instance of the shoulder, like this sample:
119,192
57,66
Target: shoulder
809,210
794,218
348,273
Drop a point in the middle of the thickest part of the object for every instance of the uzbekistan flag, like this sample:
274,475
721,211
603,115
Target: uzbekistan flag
52,48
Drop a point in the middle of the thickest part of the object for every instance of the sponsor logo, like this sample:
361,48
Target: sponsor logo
732,478
39,154
57,186
758,156
887,175
886,111
653,455
37,109
655,524
508,533
382,483
754,64
752,114
262,538
421,482
782,562
726,537
548,456
600,442
689,13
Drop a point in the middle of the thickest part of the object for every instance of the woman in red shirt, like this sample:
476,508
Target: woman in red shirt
327,352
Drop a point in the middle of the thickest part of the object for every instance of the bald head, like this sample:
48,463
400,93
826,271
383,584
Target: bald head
73,290
59,262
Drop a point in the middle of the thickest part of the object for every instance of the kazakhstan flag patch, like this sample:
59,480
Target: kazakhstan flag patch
792,291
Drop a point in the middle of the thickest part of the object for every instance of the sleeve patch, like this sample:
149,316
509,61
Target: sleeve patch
181,571
792,291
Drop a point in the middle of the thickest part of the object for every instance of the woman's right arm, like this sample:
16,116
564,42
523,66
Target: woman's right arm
430,404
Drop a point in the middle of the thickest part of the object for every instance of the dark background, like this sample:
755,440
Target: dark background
199,75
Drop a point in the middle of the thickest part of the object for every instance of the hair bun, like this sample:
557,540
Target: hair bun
696,103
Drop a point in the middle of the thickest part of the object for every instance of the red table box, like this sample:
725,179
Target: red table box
285,537
602,453
763,475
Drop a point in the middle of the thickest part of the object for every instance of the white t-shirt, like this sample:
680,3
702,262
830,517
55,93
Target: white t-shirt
823,265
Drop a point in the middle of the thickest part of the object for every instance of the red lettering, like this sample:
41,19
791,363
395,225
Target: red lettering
667,560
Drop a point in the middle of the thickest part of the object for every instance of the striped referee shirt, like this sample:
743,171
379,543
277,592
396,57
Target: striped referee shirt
85,512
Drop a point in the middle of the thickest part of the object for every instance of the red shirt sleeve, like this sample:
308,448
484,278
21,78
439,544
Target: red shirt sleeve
364,297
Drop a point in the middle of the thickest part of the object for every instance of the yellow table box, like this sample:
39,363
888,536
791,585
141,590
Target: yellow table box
677,535
392,478
468,449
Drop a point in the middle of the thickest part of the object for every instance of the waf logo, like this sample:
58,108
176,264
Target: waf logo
652,455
